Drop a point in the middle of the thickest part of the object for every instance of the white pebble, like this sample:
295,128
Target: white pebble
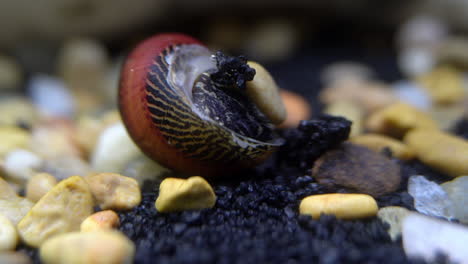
51,96
20,165
113,150
424,237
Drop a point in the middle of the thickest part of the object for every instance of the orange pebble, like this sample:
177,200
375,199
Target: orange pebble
297,108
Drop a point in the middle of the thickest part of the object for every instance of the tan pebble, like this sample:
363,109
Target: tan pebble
100,247
12,138
12,206
39,185
259,41
114,191
14,257
357,169
193,193
440,150
264,92
350,111
15,109
444,84
10,74
84,57
54,138
393,216
397,119
87,133
297,108
102,220
60,211
6,191
8,234
378,143
343,206
370,95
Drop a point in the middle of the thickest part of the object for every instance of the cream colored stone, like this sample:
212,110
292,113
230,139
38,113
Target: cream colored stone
142,168
457,191
54,138
440,150
12,138
444,84
264,92
8,234
16,109
343,206
378,143
6,191
297,108
103,220
113,150
114,191
370,95
397,119
100,247
60,211
350,111
11,205
185,194
393,216
20,165
84,57
14,257
39,185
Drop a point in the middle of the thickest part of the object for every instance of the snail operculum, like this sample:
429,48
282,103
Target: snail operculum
209,118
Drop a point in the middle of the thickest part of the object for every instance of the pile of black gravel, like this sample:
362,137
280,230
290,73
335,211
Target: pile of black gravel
256,219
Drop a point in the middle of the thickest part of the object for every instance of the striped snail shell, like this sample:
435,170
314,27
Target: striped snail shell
181,118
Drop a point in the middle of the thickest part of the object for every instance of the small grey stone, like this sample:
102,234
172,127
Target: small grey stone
425,237
429,198
457,190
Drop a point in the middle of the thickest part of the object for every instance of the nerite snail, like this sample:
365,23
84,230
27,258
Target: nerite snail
180,115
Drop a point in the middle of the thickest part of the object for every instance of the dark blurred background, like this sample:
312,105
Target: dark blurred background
294,39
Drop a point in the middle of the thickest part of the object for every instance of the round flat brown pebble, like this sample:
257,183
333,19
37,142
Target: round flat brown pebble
357,169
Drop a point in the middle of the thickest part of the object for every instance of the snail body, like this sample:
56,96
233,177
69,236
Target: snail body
181,118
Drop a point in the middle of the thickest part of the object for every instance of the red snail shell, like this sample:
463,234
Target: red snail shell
177,115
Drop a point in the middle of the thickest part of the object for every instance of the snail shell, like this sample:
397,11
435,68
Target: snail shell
181,118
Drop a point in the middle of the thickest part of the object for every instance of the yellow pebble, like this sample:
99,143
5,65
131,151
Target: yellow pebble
12,138
185,194
440,150
444,84
264,92
100,247
397,119
39,185
102,220
114,191
343,206
60,211
351,111
378,142
8,234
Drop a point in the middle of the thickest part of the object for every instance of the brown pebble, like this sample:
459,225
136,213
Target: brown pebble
357,169
297,108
